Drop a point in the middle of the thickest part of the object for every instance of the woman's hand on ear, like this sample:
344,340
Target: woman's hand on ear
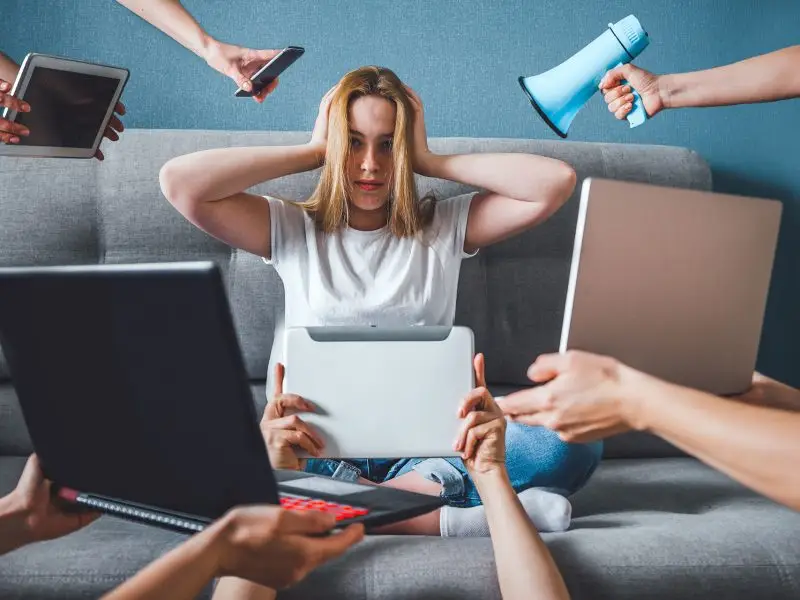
319,136
419,144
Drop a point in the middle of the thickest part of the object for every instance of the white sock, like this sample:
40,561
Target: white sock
547,511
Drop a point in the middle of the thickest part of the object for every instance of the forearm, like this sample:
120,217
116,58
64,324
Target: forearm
773,76
233,588
757,446
523,561
8,68
216,174
515,175
14,532
173,19
182,573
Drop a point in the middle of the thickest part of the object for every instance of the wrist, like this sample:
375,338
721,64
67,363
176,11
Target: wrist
317,150
665,84
206,46
490,480
218,543
426,163
633,391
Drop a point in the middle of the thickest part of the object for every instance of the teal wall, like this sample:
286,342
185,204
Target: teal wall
463,57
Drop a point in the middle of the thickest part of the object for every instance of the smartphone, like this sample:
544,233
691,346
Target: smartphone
272,69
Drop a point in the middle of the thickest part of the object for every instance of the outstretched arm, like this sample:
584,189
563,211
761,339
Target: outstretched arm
521,190
589,397
232,61
765,78
523,561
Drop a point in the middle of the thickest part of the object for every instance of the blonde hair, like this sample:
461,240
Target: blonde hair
328,205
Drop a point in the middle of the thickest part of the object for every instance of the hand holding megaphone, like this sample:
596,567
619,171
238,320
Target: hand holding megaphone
619,85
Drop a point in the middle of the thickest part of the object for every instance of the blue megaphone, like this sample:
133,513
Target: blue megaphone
558,94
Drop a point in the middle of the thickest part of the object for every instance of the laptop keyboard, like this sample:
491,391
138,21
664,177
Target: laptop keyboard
301,503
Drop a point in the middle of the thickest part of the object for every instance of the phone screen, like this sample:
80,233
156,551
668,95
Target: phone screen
272,69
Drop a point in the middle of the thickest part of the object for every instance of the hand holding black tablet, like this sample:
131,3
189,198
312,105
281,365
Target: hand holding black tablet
72,105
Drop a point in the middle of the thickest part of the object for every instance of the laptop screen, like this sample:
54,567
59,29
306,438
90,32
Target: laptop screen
133,386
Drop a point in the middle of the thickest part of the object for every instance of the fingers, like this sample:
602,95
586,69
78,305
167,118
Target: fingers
479,364
528,402
266,91
478,434
473,401
266,55
309,523
623,111
116,124
618,97
13,103
473,420
9,138
99,155
242,80
613,77
546,367
5,86
111,134
328,548
12,130
120,109
276,408
296,424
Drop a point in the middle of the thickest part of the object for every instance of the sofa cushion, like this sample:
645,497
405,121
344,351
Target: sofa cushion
655,529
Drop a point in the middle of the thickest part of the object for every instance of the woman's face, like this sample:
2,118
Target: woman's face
370,168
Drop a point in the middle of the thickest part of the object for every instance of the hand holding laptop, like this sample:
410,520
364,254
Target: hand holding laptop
28,514
283,430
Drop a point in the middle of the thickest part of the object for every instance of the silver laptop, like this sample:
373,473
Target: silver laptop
672,282
382,392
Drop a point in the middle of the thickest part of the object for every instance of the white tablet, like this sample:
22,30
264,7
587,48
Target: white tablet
382,392
71,104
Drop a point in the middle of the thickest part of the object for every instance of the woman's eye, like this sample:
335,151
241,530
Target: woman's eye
355,143
387,145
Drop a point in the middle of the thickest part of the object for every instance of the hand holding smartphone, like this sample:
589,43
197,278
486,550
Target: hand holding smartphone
270,71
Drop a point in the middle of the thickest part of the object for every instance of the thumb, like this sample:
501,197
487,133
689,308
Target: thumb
241,79
32,476
613,77
337,544
266,54
280,371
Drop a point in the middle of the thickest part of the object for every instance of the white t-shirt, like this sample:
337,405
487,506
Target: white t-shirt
357,277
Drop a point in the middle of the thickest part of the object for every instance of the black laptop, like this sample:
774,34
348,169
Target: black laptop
134,390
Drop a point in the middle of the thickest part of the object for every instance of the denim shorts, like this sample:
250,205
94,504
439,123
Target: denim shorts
535,457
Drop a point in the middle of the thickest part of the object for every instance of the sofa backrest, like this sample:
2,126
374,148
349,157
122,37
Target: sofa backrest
512,294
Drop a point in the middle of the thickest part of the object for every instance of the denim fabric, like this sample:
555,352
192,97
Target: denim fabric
535,457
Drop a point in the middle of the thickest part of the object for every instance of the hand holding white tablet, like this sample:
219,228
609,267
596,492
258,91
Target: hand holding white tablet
60,107
9,131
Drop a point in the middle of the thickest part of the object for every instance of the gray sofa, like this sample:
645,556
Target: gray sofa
652,523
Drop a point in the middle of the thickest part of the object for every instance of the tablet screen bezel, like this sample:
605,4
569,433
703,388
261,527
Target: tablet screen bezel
33,61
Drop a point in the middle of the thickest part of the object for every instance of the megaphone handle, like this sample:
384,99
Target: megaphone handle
638,114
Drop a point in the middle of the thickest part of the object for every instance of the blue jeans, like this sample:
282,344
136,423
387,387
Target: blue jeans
535,457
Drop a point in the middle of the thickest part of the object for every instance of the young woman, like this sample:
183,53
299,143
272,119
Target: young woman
365,249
